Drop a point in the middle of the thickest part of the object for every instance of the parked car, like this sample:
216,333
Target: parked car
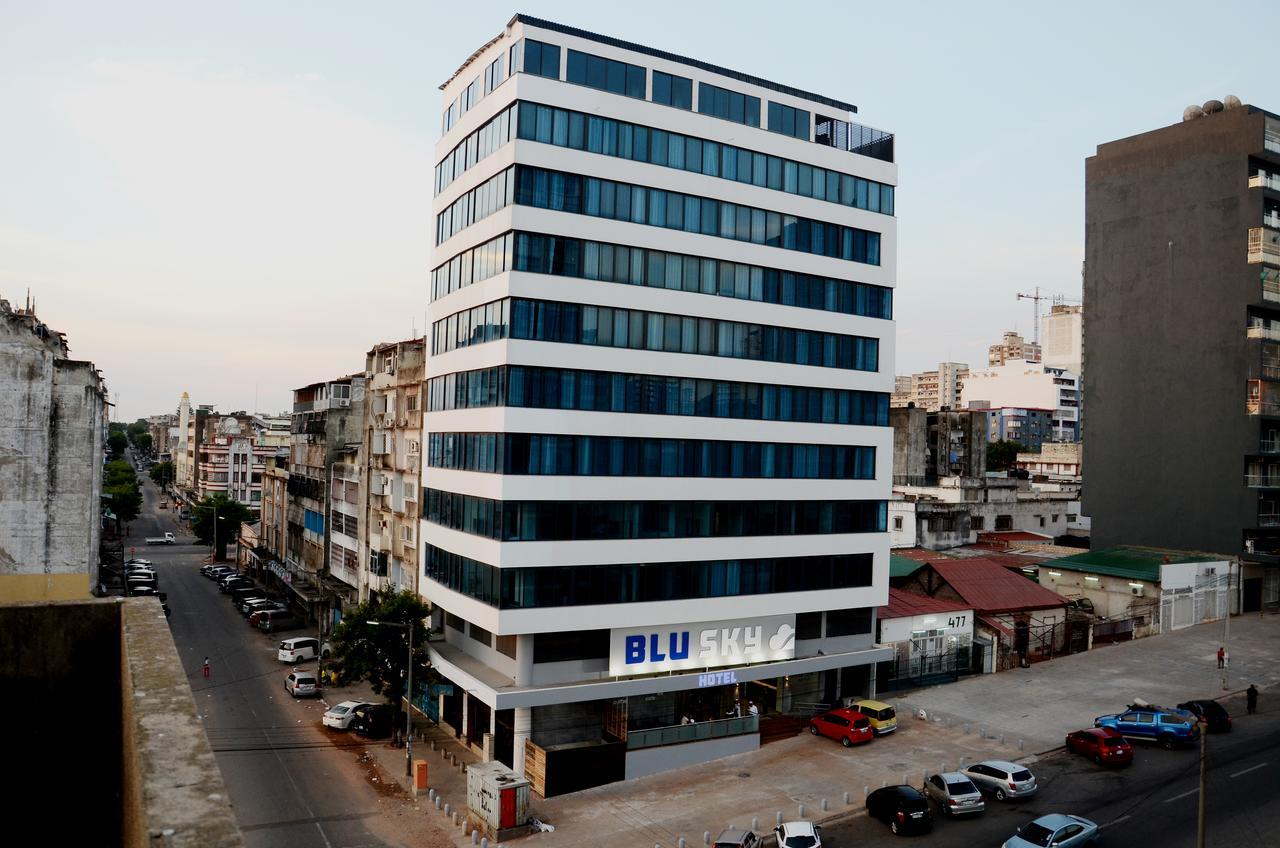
136,561
1170,728
798,834
374,720
231,585
166,539
849,726
1106,746
209,570
735,838
275,620
248,608
883,717
1211,712
1002,779
954,793
269,606
301,649
1056,829
252,593
301,684
903,807
339,716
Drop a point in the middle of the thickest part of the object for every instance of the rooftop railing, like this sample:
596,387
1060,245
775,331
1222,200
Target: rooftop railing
695,732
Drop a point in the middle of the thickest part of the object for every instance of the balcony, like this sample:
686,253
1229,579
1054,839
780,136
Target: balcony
855,138
1263,479
1269,519
1271,219
696,732
1259,331
1270,285
1264,245
1261,180
1269,446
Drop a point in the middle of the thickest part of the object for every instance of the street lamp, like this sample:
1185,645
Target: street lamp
408,714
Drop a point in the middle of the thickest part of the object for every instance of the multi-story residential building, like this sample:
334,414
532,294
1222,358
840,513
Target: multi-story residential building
273,521
1013,347
931,390
903,391
192,432
1030,385
393,466
52,432
691,517
953,511
327,418
346,497
233,450
1187,217
1027,426
931,445
162,428
1063,332
1055,461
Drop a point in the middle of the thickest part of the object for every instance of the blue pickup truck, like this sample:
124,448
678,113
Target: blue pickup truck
1170,728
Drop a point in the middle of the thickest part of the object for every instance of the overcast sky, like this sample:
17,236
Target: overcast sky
233,199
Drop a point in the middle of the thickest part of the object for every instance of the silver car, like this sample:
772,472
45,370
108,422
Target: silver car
954,793
1002,779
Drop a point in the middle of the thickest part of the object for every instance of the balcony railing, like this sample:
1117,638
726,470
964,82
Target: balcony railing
1263,481
1264,245
1270,181
1258,331
1255,406
1271,219
1271,519
696,732
1269,446
1271,286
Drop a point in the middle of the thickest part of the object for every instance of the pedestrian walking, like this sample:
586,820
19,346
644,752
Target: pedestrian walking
1222,656
206,666
1251,699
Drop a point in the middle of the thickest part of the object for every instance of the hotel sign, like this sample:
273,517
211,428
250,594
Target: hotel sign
705,645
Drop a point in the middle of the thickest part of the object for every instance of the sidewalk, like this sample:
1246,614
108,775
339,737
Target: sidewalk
1011,715
1043,703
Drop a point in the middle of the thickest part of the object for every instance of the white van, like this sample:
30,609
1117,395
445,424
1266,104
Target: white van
301,649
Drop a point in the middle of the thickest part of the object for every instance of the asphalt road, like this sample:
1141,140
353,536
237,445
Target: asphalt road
1153,802
290,783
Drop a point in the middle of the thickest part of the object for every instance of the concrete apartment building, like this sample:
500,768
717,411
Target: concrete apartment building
931,390
1013,347
1187,216
662,352
930,445
53,419
392,457
163,430
233,450
1020,385
1063,333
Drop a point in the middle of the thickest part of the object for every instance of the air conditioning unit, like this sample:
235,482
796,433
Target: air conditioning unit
388,419
413,447
404,422
342,402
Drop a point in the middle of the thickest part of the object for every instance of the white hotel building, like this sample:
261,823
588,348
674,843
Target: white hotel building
657,442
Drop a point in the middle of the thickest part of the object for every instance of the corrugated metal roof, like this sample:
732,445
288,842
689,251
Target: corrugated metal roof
901,566
904,604
990,587
1128,562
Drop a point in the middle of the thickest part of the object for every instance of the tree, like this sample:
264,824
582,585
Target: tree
117,442
142,442
121,482
229,514
380,654
1002,455
162,473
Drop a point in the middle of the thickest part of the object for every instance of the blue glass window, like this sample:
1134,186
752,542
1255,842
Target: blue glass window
539,58
729,105
605,74
788,120
671,90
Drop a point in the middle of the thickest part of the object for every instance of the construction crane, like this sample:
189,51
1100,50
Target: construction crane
1055,299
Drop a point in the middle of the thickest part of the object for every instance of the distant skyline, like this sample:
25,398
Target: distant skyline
234,200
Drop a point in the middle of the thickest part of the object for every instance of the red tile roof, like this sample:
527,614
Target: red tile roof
997,536
904,604
989,587
920,554
996,625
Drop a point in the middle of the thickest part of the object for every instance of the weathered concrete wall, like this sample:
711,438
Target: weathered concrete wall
51,443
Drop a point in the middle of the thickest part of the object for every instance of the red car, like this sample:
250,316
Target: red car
849,726
1104,745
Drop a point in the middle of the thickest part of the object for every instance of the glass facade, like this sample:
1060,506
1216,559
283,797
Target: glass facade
789,121
482,201
729,105
536,57
671,90
567,586
576,521
531,387
495,133
609,137
605,74
603,326
626,456
618,263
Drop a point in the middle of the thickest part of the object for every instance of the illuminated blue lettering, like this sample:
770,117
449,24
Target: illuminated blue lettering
679,651
654,654
634,649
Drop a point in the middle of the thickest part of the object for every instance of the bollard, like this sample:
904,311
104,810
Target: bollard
824,805
680,843
431,795
962,759
778,817
846,799
966,729
905,779
801,807
475,837
433,744
706,837
755,823
448,809
439,800
455,818
866,790
484,842
1019,744
883,784
1001,738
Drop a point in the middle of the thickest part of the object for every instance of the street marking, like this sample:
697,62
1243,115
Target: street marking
1117,821
1249,769
1180,797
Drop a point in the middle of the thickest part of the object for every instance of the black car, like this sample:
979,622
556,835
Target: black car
904,808
1216,715
374,720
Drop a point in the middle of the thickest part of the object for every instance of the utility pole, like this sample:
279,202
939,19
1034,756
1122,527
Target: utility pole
1204,781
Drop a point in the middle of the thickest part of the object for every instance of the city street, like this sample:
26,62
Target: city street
289,784
1153,802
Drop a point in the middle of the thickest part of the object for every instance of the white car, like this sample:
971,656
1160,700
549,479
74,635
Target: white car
340,715
302,648
1002,779
798,834
301,684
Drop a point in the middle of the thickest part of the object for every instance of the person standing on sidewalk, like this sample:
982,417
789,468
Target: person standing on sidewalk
1222,653
206,667
1251,699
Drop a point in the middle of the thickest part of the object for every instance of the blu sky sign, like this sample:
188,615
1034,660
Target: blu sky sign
708,644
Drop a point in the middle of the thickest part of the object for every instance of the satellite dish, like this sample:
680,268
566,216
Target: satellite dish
1231,102
1192,112
1211,106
